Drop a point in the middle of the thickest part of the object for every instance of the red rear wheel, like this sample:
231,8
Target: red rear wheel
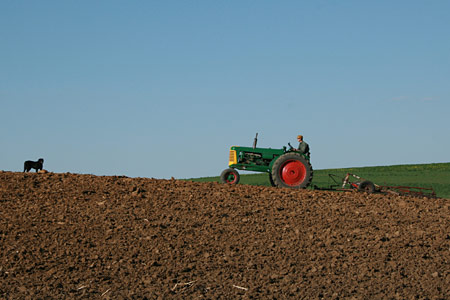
293,172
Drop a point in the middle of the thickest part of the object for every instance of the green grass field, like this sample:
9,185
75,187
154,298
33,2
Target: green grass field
436,176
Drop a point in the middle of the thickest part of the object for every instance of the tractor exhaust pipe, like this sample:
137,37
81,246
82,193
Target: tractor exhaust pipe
255,141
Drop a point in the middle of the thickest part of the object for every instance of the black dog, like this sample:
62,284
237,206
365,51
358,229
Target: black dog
37,165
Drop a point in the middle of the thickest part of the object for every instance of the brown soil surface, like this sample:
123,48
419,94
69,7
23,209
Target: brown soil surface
68,236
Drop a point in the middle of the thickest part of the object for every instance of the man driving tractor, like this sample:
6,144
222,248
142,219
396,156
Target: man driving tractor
303,147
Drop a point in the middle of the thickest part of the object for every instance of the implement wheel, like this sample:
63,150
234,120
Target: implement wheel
230,176
367,186
292,170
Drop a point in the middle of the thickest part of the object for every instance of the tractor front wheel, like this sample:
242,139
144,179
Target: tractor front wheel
292,170
230,176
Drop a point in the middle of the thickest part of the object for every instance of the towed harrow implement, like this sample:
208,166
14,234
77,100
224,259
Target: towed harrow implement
353,182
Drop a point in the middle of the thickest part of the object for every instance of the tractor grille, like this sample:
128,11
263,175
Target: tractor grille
233,158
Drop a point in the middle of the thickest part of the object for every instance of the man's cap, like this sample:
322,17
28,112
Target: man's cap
300,136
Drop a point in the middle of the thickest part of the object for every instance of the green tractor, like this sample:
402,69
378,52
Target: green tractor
286,167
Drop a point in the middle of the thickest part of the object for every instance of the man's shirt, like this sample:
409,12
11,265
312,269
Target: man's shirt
303,147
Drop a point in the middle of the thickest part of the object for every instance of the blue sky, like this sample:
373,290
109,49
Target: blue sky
164,88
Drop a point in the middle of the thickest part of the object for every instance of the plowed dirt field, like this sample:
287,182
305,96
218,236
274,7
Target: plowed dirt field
69,236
